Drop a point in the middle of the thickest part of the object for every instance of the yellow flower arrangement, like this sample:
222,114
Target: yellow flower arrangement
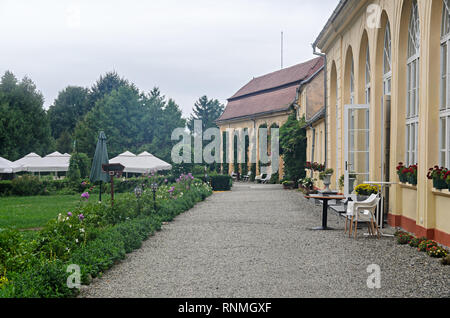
367,189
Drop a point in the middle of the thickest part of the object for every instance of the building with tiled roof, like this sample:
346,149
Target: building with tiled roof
269,99
270,94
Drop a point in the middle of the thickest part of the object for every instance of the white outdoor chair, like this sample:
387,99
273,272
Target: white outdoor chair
362,211
267,178
259,178
247,176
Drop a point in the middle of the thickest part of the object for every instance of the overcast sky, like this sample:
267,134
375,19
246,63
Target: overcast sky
188,48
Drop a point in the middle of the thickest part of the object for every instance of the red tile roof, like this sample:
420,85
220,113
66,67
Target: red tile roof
270,93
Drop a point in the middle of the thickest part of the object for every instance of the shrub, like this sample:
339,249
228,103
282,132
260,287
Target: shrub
5,187
404,238
47,279
56,186
437,252
26,185
416,241
16,254
275,179
61,236
425,245
221,183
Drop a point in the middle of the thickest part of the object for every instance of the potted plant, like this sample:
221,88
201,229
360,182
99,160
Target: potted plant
365,190
325,176
412,175
288,184
447,179
438,176
401,172
307,184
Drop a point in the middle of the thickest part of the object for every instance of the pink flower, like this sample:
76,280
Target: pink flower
69,213
85,195
81,217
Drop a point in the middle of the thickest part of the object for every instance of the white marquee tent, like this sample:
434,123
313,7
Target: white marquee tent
21,164
6,166
54,162
143,163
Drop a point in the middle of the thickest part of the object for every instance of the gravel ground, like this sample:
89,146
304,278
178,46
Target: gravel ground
255,242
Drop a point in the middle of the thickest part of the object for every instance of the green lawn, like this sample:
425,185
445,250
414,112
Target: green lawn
35,211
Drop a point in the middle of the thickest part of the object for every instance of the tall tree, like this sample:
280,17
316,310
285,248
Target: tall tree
105,85
161,118
86,129
69,107
24,125
206,110
119,115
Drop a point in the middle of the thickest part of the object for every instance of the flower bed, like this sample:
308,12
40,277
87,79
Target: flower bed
94,236
422,244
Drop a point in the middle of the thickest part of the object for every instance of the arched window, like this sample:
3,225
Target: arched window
352,84
387,61
444,120
367,88
412,104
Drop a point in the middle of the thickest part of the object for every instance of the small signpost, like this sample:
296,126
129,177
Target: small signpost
114,170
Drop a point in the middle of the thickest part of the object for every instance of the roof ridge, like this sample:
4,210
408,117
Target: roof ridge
291,67
278,79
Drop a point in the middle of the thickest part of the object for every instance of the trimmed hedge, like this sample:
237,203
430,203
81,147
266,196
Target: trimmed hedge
221,182
5,188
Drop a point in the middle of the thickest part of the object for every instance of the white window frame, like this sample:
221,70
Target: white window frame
413,87
387,75
367,77
352,84
444,107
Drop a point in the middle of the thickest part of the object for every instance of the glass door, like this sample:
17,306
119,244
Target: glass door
357,128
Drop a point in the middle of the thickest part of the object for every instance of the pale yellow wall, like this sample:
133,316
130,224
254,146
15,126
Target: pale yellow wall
442,210
310,102
350,39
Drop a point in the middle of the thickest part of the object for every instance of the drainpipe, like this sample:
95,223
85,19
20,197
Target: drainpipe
313,147
325,98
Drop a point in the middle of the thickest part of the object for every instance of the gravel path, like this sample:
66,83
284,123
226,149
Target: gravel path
255,242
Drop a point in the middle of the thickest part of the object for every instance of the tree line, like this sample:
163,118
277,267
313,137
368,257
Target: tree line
132,119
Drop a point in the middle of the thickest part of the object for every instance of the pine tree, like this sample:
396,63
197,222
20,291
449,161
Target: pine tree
206,110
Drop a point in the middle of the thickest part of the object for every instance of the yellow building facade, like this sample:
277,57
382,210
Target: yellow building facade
268,101
391,59
310,106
